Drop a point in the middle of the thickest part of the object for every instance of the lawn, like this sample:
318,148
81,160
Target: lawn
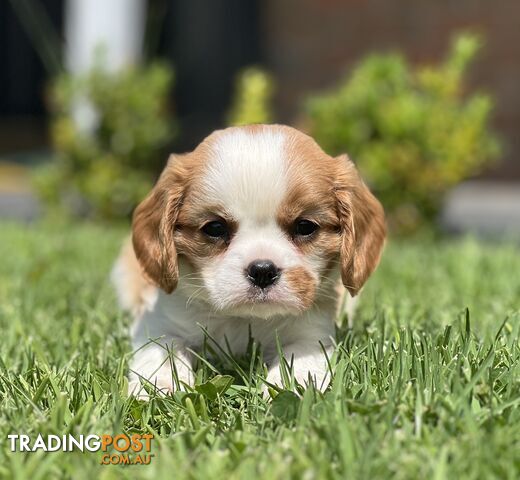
427,384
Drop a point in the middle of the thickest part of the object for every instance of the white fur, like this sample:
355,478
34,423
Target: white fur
247,174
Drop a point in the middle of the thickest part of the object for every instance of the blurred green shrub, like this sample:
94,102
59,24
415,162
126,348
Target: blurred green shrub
252,99
413,132
106,166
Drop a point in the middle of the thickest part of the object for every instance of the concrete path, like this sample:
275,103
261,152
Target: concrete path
487,208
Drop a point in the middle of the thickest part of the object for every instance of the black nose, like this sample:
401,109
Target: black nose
262,273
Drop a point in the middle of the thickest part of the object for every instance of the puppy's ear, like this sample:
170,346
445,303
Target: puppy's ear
153,225
362,223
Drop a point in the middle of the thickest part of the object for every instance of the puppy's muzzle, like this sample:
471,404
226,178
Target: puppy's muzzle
262,273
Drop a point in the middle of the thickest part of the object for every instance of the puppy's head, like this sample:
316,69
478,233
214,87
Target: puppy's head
259,218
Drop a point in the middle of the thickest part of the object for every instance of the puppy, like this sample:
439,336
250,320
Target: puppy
247,233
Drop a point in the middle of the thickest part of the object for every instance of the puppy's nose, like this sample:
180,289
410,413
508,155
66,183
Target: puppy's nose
262,273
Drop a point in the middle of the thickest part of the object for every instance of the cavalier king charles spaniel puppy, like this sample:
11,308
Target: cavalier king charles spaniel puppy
248,235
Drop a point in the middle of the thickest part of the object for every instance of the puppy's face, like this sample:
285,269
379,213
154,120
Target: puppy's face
258,218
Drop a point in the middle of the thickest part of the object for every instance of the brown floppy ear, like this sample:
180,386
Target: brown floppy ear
152,230
362,223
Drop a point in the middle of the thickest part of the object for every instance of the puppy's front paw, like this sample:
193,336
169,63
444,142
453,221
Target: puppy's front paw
274,377
152,370
163,383
319,377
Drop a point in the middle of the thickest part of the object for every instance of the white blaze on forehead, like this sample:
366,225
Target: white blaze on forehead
246,172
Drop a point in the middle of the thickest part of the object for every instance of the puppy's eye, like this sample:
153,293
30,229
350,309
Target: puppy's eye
216,229
304,228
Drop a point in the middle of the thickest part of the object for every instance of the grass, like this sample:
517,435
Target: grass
427,384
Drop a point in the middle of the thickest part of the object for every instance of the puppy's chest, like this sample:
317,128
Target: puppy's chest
237,333
195,326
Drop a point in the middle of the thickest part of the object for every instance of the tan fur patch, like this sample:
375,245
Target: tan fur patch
154,222
302,284
133,288
310,195
362,224
330,192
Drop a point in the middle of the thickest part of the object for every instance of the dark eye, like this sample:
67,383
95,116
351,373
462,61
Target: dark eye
216,229
304,228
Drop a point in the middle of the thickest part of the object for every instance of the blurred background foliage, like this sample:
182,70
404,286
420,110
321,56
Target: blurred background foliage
109,130
414,132
253,97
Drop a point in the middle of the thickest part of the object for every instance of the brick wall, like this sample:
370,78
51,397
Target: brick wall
309,44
